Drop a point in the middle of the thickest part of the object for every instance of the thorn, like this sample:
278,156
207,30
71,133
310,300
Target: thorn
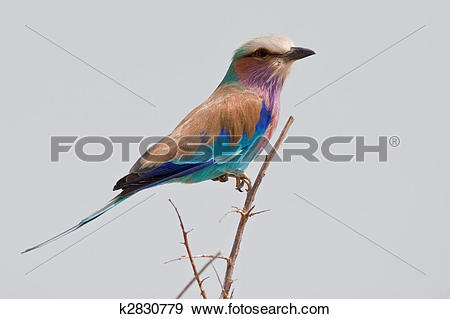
204,279
259,212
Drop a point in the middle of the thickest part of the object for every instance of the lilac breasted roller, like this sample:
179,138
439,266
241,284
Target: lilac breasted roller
241,113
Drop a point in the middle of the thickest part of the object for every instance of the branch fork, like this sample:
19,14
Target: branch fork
246,212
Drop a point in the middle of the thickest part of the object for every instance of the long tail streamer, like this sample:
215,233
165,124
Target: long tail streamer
113,202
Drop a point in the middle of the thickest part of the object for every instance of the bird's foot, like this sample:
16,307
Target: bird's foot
222,178
242,180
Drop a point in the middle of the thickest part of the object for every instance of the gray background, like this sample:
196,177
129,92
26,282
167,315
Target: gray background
175,54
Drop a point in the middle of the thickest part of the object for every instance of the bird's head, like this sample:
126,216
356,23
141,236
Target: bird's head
264,62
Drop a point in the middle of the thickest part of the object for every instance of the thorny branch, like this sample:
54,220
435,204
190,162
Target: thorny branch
188,249
198,256
199,273
246,211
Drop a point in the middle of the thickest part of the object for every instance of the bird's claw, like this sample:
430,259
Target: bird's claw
241,180
221,178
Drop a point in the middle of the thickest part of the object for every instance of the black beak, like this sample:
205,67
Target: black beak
297,53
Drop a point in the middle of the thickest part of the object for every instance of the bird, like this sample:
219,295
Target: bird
236,121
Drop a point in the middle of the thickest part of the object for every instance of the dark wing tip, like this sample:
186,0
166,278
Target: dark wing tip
121,183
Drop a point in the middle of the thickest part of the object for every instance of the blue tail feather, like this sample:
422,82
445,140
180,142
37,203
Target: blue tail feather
126,193
112,203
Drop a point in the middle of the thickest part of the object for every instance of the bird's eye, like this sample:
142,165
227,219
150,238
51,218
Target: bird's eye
260,53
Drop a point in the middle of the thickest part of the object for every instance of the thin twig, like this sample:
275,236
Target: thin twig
220,282
197,256
245,212
199,273
226,214
186,244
